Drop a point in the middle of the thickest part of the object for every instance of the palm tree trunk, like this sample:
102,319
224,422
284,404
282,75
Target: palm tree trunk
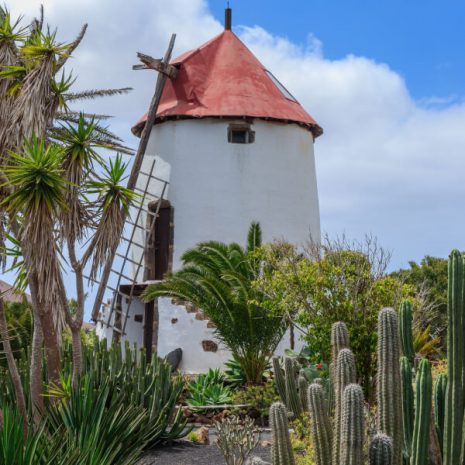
77,353
13,368
52,349
35,371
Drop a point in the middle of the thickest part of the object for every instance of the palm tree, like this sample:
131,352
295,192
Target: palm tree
217,278
35,94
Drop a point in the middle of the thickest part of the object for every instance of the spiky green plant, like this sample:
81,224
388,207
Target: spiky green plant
345,374
353,430
280,381
380,452
421,431
440,387
321,426
407,405
281,453
293,401
455,361
302,384
406,333
389,387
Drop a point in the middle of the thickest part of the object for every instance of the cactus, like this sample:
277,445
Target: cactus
380,452
407,405
279,379
352,436
421,430
455,354
339,340
389,392
345,374
303,386
281,452
440,406
406,334
321,428
292,394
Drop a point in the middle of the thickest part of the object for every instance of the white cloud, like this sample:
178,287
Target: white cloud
386,163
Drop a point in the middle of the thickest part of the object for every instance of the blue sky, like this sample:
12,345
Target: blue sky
385,79
422,40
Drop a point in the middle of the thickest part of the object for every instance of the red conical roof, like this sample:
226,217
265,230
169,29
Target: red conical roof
222,78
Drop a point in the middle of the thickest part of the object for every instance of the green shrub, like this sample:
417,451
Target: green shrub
209,389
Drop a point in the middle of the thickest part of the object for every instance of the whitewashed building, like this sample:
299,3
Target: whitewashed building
235,147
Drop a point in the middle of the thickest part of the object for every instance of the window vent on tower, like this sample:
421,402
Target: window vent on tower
240,134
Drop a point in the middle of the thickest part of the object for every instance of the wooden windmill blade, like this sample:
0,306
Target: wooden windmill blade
166,71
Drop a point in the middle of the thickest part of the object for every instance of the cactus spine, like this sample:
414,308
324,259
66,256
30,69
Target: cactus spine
421,430
321,428
281,452
389,392
407,404
303,387
345,374
406,334
279,379
455,353
440,406
292,393
380,452
352,426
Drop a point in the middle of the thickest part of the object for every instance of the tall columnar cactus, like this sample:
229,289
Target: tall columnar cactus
406,333
455,361
421,430
321,427
279,379
389,392
440,406
281,453
380,452
352,437
339,339
303,387
345,374
407,404
292,393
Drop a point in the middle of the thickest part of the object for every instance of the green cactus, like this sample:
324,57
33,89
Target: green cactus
292,393
380,452
279,379
389,388
406,333
407,405
339,339
421,430
352,437
321,428
303,386
455,361
440,406
281,452
345,374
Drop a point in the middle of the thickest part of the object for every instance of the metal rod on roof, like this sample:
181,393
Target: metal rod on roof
228,18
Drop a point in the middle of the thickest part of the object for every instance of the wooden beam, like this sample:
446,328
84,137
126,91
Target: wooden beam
137,164
156,64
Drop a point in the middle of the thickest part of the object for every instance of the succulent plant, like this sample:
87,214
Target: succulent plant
321,427
352,432
380,452
407,404
293,402
440,387
406,333
281,452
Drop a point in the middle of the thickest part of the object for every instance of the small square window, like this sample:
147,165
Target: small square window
240,134
139,318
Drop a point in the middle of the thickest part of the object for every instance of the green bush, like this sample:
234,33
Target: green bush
208,389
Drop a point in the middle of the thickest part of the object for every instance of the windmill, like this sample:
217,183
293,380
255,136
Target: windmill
115,317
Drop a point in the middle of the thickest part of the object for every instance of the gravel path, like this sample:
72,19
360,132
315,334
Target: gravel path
186,453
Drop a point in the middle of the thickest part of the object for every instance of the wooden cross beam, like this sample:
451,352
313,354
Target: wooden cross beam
144,139
158,64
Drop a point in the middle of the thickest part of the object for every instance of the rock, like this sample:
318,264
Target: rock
174,359
203,435
209,346
266,443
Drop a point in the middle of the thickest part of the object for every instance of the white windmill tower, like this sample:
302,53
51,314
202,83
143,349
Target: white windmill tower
235,147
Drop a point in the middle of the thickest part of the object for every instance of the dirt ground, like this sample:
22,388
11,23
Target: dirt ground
186,453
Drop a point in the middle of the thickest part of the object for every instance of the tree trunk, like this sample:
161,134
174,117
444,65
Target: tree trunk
36,384
13,368
77,353
52,348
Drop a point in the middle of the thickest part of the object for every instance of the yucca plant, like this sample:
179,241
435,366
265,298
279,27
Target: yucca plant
217,278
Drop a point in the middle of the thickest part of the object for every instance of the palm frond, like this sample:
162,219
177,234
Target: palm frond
95,93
